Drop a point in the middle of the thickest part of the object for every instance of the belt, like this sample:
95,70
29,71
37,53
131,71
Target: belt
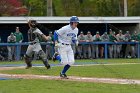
65,44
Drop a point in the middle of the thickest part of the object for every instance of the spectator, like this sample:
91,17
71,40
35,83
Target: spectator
126,47
49,46
134,38
19,35
1,52
112,47
95,48
120,38
4,52
11,49
81,48
104,38
139,37
89,39
110,32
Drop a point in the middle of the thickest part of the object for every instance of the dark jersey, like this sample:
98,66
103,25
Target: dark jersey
34,35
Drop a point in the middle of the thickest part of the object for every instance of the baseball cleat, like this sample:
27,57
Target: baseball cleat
54,56
27,67
48,66
63,76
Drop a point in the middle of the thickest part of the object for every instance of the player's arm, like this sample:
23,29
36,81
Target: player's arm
21,37
59,33
44,37
75,39
8,39
56,38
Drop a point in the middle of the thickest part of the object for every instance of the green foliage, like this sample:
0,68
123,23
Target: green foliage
81,7
58,8
134,9
71,7
36,7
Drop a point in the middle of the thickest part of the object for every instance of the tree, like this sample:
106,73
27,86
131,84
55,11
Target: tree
71,7
36,7
134,7
12,8
107,8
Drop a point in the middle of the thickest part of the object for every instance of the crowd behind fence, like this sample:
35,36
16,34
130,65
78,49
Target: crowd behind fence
19,52
107,45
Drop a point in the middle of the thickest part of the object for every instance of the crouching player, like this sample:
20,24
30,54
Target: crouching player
34,35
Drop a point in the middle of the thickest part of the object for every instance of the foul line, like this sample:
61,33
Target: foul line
73,78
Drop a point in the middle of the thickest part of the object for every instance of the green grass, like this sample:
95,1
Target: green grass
127,71
111,71
56,86
82,60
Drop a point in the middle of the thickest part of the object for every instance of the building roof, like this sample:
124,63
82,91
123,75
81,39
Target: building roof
22,20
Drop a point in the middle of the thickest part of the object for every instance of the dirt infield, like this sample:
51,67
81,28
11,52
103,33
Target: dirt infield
71,78
10,68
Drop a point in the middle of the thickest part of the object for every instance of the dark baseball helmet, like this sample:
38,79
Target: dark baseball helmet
33,23
74,19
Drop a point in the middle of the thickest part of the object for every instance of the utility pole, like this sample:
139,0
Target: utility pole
49,8
125,8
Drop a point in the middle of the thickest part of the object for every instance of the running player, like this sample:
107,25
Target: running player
63,38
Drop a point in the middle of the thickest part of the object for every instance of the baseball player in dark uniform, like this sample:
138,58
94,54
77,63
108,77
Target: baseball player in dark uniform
112,47
34,35
95,47
81,47
11,49
134,47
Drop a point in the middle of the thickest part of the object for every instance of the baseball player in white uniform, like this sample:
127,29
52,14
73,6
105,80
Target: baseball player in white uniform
63,38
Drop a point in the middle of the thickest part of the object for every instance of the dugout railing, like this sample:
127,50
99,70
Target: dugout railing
18,45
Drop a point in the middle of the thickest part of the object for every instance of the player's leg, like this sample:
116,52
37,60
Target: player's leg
42,55
79,49
114,50
14,53
9,53
28,61
102,51
28,56
48,51
84,51
118,51
97,51
44,59
89,51
93,51
64,60
110,51
68,61
63,72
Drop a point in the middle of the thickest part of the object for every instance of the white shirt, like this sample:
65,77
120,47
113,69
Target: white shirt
66,34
